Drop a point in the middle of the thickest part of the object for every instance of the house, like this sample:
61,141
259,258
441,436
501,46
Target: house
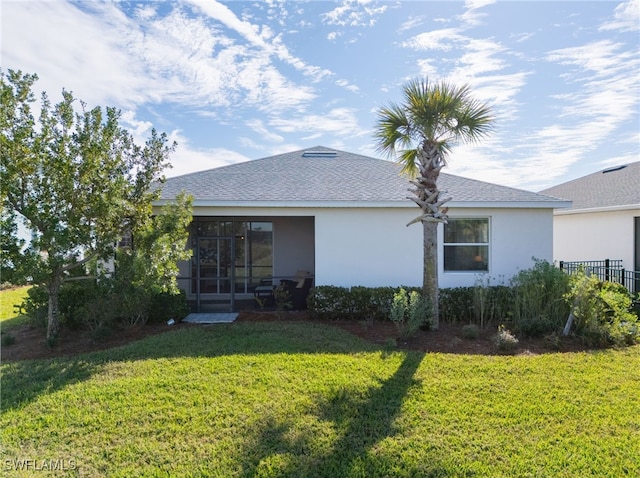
604,220
342,217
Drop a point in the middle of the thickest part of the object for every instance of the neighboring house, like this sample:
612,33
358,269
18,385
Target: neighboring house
342,217
604,220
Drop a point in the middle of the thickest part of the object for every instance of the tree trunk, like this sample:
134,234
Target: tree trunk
53,320
430,161
430,270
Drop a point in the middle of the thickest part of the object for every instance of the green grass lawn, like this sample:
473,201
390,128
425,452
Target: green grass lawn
8,300
293,399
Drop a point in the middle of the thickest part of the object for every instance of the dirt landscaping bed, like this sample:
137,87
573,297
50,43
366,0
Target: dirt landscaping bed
30,342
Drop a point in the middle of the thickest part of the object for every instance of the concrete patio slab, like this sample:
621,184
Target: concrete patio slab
211,318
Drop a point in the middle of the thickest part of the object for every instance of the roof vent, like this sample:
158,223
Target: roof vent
319,154
615,168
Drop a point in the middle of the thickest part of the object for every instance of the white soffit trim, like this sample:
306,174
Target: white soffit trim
627,207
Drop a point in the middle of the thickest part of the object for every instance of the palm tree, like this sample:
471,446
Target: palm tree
419,134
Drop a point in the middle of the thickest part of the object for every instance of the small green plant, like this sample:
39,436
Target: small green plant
470,331
409,312
101,333
282,298
504,340
481,302
262,302
553,341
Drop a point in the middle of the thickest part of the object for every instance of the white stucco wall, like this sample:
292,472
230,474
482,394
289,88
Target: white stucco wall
368,247
595,236
375,248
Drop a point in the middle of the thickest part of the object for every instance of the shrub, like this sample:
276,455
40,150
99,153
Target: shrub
356,303
504,340
165,305
603,311
329,302
370,303
105,304
482,304
539,307
36,306
73,300
409,312
491,303
470,331
456,304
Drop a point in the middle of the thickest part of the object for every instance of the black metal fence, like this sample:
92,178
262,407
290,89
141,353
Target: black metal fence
610,270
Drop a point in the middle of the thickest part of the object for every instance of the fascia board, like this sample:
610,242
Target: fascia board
626,207
509,204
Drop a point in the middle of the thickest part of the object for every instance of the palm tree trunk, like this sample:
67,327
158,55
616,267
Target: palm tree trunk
430,269
430,161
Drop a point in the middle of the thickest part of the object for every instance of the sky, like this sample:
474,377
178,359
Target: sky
241,80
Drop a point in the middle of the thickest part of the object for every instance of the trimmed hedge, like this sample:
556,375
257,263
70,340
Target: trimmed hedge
355,303
481,305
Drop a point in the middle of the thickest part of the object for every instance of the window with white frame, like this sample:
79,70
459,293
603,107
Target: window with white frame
466,244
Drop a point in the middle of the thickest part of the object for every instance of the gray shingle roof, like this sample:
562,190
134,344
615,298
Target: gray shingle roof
321,175
618,186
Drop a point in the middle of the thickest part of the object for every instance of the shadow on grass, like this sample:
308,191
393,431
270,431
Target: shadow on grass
361,421
24,381
13,322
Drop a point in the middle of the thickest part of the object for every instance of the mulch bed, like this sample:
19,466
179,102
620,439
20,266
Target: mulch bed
30,342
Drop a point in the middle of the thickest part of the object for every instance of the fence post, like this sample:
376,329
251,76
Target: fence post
606,270
561,265
622,277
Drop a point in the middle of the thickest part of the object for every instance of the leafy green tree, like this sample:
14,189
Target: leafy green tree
80,183
420,132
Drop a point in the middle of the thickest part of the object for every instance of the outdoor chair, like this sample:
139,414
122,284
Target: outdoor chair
298,291
296,287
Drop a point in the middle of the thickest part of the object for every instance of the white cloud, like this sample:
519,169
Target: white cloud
338,121
261,37
472,16
600,58
443,39
139,129
107,57
265,134
608,85
411,23
481,57
87,60
475,4
626,17
186,160
354,13
347,86
427,68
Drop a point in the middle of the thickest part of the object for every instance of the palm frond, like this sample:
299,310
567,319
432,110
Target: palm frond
393,129
407,158
431,115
